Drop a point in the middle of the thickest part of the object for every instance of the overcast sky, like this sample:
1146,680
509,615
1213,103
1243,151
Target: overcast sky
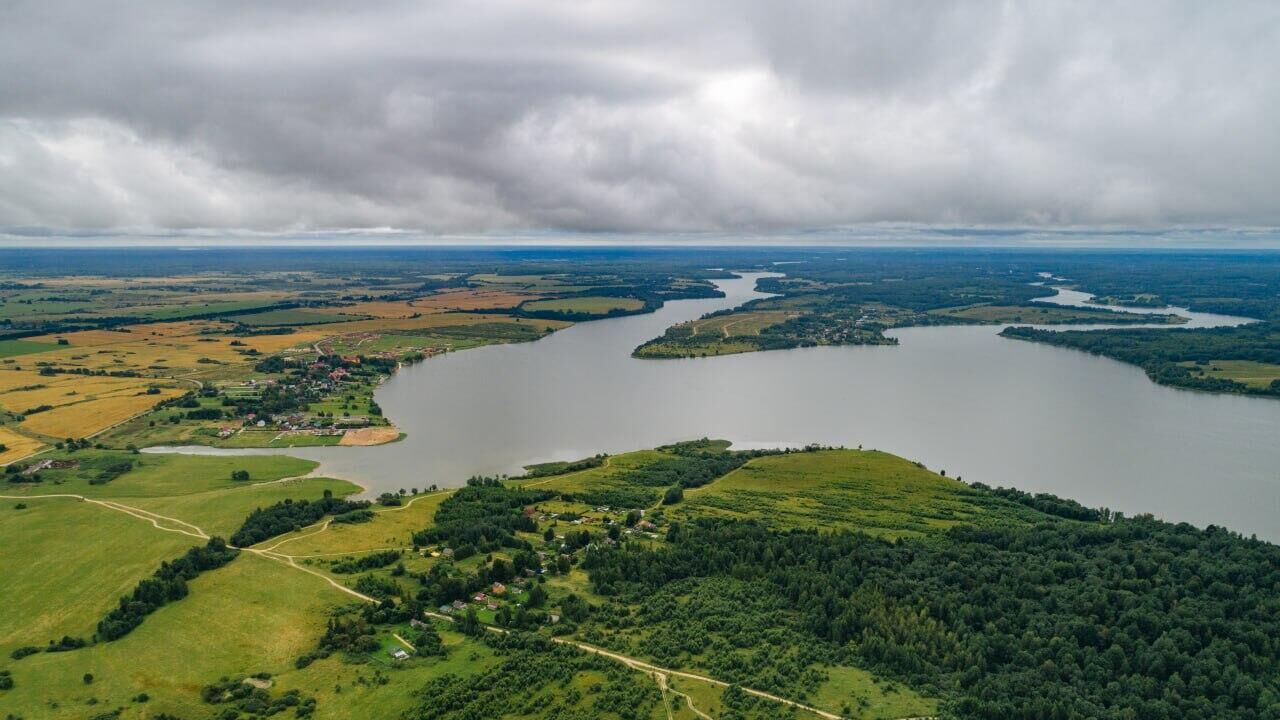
613,117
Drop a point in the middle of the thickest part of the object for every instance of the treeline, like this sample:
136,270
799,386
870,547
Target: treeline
686,465
166,585
1047,503
372,561
1160,353
562,468
484,515
289,515
1132,619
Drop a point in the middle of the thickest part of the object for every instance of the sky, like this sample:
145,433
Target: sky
403,121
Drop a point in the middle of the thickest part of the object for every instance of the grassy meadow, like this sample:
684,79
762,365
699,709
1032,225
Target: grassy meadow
868,491
591,305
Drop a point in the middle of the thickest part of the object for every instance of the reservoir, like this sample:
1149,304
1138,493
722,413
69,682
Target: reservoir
960,399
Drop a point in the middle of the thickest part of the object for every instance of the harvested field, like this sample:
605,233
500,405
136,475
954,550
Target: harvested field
470,299
84,419
16,445
369,436
68,389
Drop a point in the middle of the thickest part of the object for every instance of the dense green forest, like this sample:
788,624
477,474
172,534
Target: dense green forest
1131,619
288,515
1176,356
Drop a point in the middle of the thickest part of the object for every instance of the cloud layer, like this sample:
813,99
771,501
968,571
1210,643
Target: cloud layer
476,116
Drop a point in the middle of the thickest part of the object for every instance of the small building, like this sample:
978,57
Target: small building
554,618
399,654
446,609
459,605
499,588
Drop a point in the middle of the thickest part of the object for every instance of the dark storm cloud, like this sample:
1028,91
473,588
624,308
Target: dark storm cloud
482,116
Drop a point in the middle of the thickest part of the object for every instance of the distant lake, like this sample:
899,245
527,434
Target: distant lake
989,409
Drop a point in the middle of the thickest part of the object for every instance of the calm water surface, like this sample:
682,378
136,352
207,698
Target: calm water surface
962,399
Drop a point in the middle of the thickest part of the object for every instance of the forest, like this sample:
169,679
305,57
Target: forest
1135,618
1175,357
289,515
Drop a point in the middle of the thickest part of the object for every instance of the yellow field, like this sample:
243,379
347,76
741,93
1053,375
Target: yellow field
67,389
93,416
143,354
426,321
10,379
737,324
470,299
89,338
19,446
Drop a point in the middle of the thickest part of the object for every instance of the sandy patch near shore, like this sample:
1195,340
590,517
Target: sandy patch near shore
369,436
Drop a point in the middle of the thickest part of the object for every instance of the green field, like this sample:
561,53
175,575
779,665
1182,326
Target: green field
870,491
592,305
12,348
1248,372
293,316
64,564
390,527
80,574
187,310
220,512
157,474
1051,315
250,616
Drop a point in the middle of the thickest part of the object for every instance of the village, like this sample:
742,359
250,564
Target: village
327,400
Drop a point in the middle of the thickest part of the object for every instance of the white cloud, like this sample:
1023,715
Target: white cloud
472,117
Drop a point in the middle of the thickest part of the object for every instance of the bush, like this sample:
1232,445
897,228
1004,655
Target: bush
24,651
673,495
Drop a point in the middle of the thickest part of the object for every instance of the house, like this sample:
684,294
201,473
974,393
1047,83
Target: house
416,623
447,552
399,654
499,588
446,609
492,606
459,605
645,525
554,618
480,597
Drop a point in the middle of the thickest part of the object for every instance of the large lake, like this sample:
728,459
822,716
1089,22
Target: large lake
1000,411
